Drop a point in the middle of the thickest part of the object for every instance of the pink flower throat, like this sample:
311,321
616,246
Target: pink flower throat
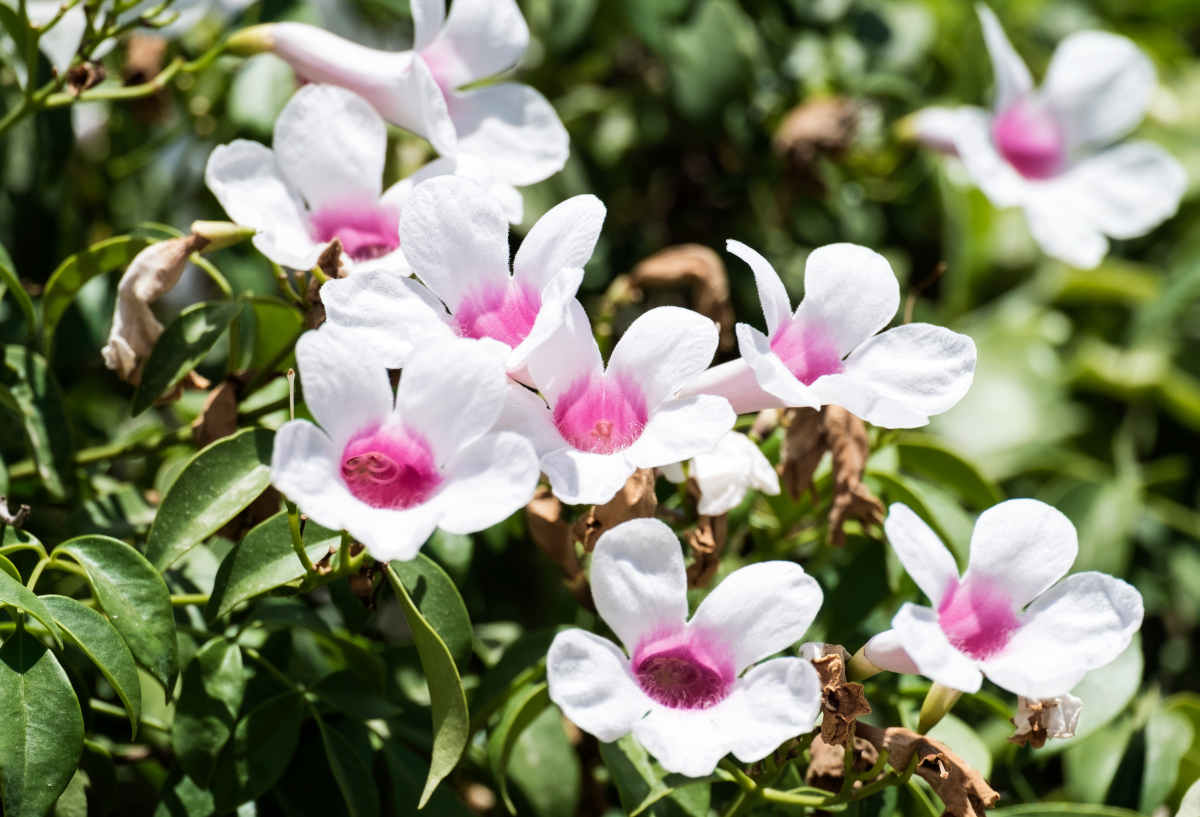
1028,136
505,313
683,670
390,468
977,617
601,414
367,229
807,350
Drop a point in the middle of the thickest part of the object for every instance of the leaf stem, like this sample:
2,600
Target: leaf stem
186,599
297,538
105,708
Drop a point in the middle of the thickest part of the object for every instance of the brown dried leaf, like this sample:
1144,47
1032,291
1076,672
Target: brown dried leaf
329,263
635,500
701,271
846,437
553,534
819,126
84,75
707,541
218,418
842,701
144,55
803,447
765,422
827,769
963,790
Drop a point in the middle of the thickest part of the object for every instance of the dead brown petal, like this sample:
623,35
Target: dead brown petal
551,532
846,437
84,75
635,500
144,55
701,271
819,126
218,418
329,263
707,542
765,422
803,447
842,701
827,768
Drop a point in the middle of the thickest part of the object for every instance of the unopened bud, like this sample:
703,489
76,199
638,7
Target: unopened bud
252,40
220,234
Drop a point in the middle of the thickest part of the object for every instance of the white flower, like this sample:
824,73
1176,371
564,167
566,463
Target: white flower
1008,617
390,470
724,474
1045,149
828,352
455,237
509,125
604,423
679,685
1057,716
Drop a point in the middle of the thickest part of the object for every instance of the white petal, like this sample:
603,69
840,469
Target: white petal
305,468
925,558
584,478
759,610
1024,546
557,297
774,702
345,390
393,535
681,429
60,43
570,354
850,291
480,39
772,376
513,128
1082,623
564,237
467,167
776,307
385,313
689,742
728,471
662,349
247,182
1010,74
919,633
488,481
1062,231
527,414
330,145
455,237
428,16
885,651
998,180
936,128
672,473
736,381
589,680
1100,86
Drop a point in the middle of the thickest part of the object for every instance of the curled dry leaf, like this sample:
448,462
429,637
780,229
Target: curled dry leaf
635,500
827,768
803,447
842,701
817,127
144,55
765,422
707,542
218,418
84,75
330,264
846,437
1037,721
701,271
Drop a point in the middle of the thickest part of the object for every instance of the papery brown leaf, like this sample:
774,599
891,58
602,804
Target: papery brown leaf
827,768
84,75
218,417
144,55
842,701
635,500
765,422
551,532
846,437
816,127
707,542
329,262
698,269
803,447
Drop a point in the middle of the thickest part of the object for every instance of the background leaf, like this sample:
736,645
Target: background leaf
32,387
210,699
181,347
436,596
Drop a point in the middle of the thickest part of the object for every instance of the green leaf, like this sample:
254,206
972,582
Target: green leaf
214,682
348,750
520,712
277,325
1090,765
10,282
100,641
451,722
926,456
215,486
438,600
135,598
33,389
66,281
8,567
1168,737
1064,810
181,347
262,746
407,771
522,661
15,594
639,780
73,801
346,692
263,561
1105,692
41,727
546,768
181,797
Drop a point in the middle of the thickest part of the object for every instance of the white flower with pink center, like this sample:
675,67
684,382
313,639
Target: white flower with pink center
389,469
827,352
1008,616
1047,151
455,237
727,473
690,691
510,126
597,425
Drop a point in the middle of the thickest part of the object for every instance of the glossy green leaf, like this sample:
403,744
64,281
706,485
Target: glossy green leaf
522,662
545,767
181,347
931,459
1090,765
255,758
27,379
406,770
520,712
437,597
66,281
348,750
8,567
265,560
1169,735
346,692
100,641
181,797
15,594
73,801
451,722
214,682
214,487
41,727
277,325
135,598
10,282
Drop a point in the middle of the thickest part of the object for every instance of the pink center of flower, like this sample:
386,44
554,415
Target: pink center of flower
977,617
601,414
505,313
367,229
807,350
683,671
390,468
1028,136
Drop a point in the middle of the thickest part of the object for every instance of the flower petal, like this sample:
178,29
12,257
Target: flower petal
1082,623
1063,232
1023,546
480,39
385,313
467,167
527,414
590,682
759,610
936,127
563,238
583,478
736,382
345,390
681,429
1011,76
428,16
557,297
998,179
513,128
570,354
61,42
488,481
885,651
776,307
925,558
638,580
773,702
662,349
772,376
305,468
1100,85
850,291
393,535
728,471
689,742
918,632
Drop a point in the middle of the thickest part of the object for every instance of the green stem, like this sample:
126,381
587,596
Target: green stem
938,701
105,708
108,451
186,599
297,538
37,572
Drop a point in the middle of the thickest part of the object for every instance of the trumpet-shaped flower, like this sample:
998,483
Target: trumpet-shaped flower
690,691
389,469
455,237
724,475
1008,617
828,353
1047,151
511,126
602,424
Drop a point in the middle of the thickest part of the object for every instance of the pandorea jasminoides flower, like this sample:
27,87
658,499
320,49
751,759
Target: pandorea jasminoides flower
828,352
509,125
1008,617
688,690
1045,149
391,469
602,424
724,474
455,238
